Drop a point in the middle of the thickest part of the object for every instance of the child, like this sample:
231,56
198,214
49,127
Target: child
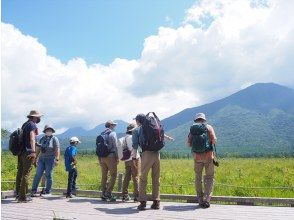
70,160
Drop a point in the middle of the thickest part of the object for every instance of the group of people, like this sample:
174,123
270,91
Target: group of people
138,160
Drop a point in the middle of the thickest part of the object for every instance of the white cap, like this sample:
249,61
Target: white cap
74,139
200,115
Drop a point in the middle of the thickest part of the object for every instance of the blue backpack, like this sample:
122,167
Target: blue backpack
102,144
200,138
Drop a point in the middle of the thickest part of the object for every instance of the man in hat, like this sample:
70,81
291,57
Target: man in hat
202,138
132,164
47,156
27,157
109,163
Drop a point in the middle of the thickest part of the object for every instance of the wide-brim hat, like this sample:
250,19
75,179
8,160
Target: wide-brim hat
48,127
34,113
109,122
200,116
131,127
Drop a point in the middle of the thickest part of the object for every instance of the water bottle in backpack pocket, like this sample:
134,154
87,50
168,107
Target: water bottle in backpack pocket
200,138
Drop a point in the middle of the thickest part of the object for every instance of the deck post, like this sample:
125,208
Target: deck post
120,182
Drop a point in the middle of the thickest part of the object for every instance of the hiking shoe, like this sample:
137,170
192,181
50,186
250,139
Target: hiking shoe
43,191
70,196
135,199
34,194
104,197
205,205
46,195
156,204
142,206
111,198
125,198
27,199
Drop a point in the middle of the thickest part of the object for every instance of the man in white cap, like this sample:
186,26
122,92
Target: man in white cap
70,161
202,139
27,157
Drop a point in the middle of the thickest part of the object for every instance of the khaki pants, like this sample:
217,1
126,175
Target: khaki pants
108,164
24,167
150,160
208,179
132,168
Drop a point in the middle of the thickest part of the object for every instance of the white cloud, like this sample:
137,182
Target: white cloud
72,94
221,47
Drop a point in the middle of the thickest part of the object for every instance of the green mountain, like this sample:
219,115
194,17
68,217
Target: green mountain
258,120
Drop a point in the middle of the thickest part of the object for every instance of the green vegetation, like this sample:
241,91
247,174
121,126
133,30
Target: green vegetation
235,177
4,133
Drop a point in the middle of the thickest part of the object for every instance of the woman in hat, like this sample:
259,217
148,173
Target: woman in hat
48,153
132,165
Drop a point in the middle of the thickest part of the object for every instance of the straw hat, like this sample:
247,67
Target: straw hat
34,113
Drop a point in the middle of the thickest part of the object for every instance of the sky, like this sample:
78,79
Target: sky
83,62
96,30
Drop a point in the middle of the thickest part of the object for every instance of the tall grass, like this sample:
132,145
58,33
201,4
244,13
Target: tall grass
260,177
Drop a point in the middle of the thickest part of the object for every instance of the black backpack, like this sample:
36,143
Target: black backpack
153,133
102,143
16,142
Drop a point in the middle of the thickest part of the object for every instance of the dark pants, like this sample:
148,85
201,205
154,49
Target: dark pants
24,167
71,184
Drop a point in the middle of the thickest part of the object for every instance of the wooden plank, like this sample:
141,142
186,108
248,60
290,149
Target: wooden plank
89,208
192,198
188,198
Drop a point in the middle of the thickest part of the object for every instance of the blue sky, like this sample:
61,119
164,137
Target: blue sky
85,62
95,30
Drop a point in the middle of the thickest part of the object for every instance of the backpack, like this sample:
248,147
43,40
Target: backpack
153,133
102,143
126,151
200,138
16,142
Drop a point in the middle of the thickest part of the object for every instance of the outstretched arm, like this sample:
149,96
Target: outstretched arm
169,137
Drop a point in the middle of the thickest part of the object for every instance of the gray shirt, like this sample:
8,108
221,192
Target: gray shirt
48,146
113,143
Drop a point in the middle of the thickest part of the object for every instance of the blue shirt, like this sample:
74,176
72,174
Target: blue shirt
27,127
69,153
138,138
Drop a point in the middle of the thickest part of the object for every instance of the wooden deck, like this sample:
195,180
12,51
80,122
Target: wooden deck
93,208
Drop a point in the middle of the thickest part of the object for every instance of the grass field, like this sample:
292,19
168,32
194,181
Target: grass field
235,177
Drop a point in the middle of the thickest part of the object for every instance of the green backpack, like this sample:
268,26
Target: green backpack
200,138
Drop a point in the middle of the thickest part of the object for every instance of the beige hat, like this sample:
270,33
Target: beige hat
200,116
48,127
35,113
109,122
131,127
